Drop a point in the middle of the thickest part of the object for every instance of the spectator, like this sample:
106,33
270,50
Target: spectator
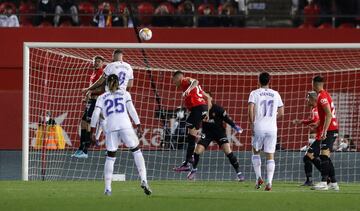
8,19
45,11
186,14
66,6
228,15
206,16
163,17
104,17
345,144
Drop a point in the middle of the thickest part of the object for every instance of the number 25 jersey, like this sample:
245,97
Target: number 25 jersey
113,108
266,103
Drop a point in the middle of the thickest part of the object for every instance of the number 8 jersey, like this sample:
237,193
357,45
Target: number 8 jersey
266,103
123,70
114,107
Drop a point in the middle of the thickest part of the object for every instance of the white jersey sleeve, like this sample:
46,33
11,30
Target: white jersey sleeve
96,114
281,104
131,109
252,97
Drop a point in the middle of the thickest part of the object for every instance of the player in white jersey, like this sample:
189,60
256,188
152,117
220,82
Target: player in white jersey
118,67
265,107
114,105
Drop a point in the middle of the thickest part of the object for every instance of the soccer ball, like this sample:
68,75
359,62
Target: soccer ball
145,34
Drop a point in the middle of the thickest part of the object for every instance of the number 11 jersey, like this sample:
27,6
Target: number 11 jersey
113,108
266,102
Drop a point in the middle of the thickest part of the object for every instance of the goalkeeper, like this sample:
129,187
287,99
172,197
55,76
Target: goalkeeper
214,130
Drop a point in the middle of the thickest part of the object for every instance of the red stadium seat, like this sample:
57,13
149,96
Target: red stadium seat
145,11
122,7
4,4
25,11
66,23
86,11
180,8
45,24
346,26
203,7
325,26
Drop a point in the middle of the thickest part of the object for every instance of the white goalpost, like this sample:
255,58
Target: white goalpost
55,74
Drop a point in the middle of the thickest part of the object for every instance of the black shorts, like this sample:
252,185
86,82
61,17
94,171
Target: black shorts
219,136
328,143
89,110
197,114
315,148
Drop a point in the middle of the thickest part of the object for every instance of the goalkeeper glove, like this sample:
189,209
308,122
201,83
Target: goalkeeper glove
238,129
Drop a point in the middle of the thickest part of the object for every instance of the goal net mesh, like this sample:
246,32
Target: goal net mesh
57,76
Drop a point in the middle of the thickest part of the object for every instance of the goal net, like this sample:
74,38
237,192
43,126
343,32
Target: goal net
55,74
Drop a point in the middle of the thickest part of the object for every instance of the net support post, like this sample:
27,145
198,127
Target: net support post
25,114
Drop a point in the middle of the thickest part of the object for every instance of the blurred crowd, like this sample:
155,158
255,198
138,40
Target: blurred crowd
181,13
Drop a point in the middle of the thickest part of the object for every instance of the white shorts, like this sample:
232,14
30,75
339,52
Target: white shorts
125,136
264,140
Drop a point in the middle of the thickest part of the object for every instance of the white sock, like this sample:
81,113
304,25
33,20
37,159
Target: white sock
256,161
270,168
140,164
108,172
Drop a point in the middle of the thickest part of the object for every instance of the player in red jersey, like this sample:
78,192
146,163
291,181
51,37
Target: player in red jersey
90,100
194,100
327,132
313,151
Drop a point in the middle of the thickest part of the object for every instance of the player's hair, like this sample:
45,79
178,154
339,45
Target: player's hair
312,94
117,51
112,82
264,78
98,57
318,79
178,73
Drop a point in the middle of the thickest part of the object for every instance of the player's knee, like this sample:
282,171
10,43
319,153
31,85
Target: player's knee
199,149
135,149
269,156
111,154
226,148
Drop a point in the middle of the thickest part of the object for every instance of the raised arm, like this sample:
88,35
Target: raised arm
97,84
193,84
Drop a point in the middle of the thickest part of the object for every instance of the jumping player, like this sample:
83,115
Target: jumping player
194,100
90,100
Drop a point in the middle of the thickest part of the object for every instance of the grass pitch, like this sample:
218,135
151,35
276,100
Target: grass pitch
172,196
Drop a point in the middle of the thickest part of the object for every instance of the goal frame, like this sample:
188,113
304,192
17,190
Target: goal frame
86,45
